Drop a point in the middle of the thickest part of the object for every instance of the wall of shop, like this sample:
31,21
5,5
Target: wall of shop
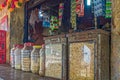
17,24
15,28
3,13
115,56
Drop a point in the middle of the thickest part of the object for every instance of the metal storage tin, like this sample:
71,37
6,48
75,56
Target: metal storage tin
18,56
26,57
89,55
35,59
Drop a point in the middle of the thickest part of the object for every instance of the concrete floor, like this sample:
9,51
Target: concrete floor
7,73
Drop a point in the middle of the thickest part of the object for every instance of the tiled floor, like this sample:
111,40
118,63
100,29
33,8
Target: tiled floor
7,73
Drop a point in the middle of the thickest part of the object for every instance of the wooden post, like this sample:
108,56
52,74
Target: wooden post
115,49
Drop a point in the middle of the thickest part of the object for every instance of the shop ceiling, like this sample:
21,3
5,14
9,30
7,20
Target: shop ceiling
45,3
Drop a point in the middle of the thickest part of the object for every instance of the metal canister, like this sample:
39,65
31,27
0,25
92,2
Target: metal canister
42,61
35,59
26,56
12,56
18,56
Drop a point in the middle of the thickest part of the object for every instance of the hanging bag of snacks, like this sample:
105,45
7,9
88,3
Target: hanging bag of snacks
108,10
61,8
73,14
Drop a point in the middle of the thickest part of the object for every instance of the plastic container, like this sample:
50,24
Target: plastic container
35,59
26,56
18,56
12,56
42,61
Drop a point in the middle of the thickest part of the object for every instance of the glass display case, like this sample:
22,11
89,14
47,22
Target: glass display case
81,61
53,60
54,56
89,55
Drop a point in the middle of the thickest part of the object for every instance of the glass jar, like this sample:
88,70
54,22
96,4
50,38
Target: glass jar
18,56
35,59
26,56
42,61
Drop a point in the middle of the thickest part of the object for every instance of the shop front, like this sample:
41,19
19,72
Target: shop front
62,39
76,35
